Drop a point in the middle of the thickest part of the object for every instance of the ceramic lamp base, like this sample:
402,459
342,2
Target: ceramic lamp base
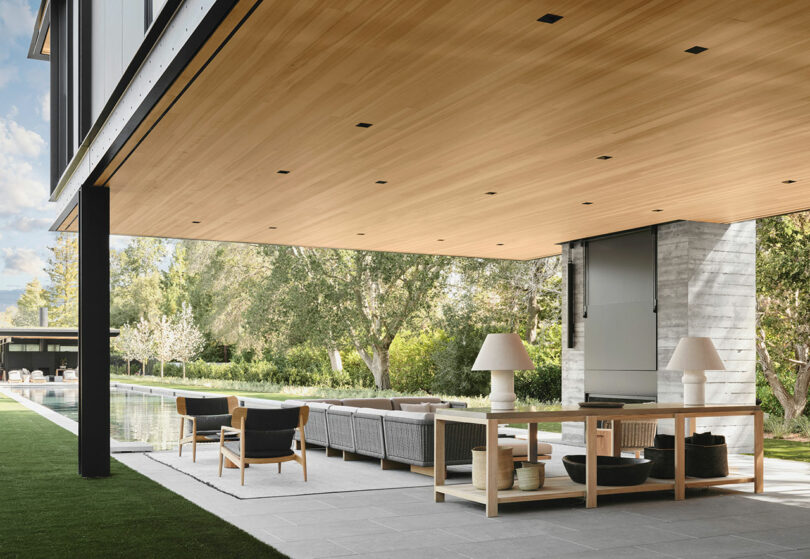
694,388
502,396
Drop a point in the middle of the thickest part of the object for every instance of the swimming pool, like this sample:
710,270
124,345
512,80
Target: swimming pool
134,416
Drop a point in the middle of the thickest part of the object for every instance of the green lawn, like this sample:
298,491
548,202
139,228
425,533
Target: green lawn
47,510
787,450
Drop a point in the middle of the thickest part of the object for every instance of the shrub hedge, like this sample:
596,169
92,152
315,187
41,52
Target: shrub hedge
430,362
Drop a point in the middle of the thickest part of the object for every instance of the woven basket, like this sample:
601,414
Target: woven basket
506,468
638,433
531,476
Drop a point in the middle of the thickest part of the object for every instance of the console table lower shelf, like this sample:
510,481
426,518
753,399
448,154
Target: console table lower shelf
564,488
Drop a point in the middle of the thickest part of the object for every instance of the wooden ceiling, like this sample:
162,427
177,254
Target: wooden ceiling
469,97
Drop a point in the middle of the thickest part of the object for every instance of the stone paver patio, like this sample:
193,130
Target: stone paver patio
405,522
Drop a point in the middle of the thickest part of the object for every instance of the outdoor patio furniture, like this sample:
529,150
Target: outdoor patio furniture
15,376
38,377
265,437
202,418
70,375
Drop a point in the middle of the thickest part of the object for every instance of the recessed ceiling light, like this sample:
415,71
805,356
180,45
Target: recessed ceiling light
605,157
283,172
195,221
587,203
695,50
381,182
440,240
500,244
657,210
490,193
550,18
272,227
364,125
789,181
361,234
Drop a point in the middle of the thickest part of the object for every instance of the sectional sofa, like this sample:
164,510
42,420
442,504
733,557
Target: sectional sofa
378,428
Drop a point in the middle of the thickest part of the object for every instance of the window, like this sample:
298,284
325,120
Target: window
23,347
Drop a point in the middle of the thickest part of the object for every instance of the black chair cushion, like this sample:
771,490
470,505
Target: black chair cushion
271,419
206,406
258,453
207,424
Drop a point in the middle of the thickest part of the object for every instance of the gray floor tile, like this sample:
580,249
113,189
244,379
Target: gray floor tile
315,549
378,543
796,537
520,548
719,547
441,520
620,536
308,532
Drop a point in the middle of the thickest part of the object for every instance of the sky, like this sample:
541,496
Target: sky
25,212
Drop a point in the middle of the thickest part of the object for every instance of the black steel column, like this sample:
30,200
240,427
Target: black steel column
94,331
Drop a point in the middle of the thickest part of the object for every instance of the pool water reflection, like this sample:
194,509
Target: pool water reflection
134,416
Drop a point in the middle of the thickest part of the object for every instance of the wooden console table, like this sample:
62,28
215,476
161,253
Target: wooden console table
564,488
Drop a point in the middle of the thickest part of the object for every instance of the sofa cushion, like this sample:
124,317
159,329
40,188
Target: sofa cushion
370,412
374,403
321,406
341,410
418,408
332,401
397,401
409,417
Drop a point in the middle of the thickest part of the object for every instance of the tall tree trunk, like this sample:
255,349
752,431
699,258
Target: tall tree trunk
161,369
379,367
335,360
377,363
143,368
532,313
128,370
225,352
793,404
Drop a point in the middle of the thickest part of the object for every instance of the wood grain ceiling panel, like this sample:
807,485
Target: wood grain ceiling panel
468,97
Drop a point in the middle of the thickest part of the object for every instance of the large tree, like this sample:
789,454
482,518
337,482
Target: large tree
62,292
136,280
783,308
188,340
366,297
29,303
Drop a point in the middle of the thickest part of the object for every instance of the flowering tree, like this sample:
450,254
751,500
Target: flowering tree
140,339
125,344
188,339
164,335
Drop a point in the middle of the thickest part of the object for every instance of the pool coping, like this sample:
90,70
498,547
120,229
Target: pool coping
116,446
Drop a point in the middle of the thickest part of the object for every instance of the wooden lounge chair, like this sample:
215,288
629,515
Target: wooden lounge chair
70,375
265,437
38,377
202,418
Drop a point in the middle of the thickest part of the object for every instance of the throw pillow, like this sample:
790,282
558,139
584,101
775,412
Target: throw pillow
434,407
418,408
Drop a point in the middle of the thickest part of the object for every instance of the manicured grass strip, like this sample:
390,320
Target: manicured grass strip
225,391
47,510
787,450
554,427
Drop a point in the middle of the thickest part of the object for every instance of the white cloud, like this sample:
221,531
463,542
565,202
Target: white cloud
25,224
45,106
18,140
22,261
16,18
8,74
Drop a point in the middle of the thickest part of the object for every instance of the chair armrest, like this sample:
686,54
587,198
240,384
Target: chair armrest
224,428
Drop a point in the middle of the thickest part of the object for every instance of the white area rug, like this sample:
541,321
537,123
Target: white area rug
325,475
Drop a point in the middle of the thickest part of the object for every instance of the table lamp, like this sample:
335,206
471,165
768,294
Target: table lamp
502,354
694,356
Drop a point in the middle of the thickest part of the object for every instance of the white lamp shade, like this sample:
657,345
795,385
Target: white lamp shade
503,352
695,354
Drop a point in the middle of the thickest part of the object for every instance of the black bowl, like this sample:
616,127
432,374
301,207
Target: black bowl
610,470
